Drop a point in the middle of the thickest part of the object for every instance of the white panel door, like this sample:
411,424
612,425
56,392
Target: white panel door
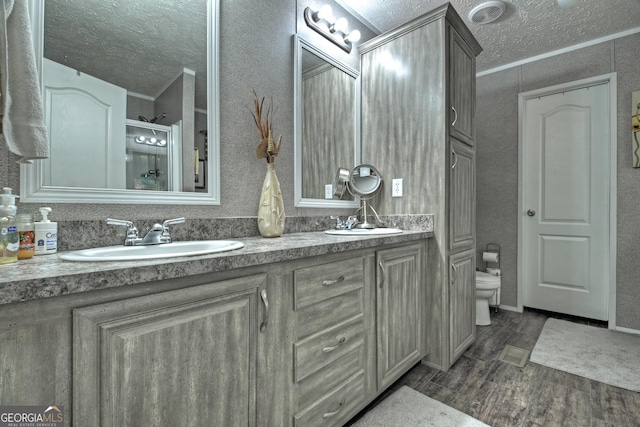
566,202
86,123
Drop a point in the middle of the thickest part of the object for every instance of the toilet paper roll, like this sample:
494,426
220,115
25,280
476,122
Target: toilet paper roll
490,256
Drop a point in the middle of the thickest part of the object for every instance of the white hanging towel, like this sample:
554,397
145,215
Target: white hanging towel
23,128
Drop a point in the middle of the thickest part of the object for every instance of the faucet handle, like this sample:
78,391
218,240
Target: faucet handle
173,221
339,223
132,232
166,238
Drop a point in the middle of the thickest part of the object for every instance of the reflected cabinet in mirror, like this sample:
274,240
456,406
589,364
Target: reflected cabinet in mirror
326,125
130,93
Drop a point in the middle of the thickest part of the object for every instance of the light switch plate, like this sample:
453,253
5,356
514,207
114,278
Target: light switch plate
396,187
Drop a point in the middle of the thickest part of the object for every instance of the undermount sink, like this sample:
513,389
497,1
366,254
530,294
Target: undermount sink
166,250
365,231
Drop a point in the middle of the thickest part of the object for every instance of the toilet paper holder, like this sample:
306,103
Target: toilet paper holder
492,248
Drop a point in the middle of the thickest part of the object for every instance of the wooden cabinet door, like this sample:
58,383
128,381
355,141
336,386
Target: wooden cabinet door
462,197
462,77
462,302
399,309
183,357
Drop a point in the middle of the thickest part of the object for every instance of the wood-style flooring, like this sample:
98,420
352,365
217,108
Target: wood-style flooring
501,394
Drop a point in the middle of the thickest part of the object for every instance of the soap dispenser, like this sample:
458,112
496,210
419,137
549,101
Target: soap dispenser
46,234
9,236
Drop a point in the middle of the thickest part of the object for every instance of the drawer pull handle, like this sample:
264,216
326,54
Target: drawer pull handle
332,282
455,159
330,349
384,273
331,414
455,273
455,116
265,301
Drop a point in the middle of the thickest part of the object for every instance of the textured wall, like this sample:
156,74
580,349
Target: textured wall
256,52
497,168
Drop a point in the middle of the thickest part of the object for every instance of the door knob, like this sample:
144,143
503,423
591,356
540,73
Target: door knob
531,212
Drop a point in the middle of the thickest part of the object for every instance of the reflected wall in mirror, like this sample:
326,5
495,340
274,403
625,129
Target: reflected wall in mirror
131,102
326,121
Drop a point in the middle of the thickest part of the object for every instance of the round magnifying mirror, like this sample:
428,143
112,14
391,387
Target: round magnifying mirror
365,181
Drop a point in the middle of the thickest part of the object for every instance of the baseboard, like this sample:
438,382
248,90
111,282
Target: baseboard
627,330
509,308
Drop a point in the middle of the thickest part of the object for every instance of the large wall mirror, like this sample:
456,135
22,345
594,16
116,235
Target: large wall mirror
326,125
130,92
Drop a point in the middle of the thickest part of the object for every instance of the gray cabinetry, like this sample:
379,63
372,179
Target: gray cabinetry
184,357
462,212
462,302
331,348
399,312
418,107
284,344
462,99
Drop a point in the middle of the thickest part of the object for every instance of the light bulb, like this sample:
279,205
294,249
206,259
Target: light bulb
353,36
162,143
325,12
140,139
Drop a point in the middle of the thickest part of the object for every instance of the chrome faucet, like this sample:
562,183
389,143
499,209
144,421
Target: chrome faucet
345,225
156,235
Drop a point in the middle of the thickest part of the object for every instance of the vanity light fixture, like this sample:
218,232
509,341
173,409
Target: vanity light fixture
323,22
151,141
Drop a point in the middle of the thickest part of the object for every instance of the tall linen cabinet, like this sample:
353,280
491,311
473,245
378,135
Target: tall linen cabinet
418,107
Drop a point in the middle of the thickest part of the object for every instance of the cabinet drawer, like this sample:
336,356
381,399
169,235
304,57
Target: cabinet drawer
328,313
319,283
316,386
336,406
319,350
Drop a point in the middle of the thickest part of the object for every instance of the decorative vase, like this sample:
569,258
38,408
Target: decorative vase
271,210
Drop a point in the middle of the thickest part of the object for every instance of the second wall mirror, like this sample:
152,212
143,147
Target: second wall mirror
327,133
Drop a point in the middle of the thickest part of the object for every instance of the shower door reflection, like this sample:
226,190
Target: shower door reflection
153,157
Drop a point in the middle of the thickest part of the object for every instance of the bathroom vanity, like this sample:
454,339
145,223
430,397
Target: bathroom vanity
303,330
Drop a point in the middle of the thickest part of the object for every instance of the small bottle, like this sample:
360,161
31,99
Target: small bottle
26,230
9,238
46,234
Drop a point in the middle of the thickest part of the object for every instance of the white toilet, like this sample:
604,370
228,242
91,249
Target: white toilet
486,287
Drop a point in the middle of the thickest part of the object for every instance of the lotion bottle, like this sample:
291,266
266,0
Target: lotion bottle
46,234
9,237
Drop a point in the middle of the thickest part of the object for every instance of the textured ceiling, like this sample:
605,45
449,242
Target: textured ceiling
141,45
528,27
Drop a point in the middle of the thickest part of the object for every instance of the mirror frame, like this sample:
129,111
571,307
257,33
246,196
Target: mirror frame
299,44
31,188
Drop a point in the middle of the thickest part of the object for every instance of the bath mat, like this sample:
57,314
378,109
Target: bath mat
608,356
409,408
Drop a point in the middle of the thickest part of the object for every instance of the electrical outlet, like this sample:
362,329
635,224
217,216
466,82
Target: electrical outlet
328,191
396,187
